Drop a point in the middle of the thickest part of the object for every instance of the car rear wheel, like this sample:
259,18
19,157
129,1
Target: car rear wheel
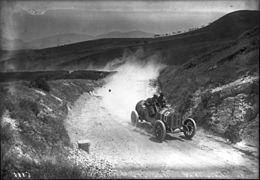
134,118
189,127
159,130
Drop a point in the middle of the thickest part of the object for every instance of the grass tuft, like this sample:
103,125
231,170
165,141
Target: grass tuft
40,83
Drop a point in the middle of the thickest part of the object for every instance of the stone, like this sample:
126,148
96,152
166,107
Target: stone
84,145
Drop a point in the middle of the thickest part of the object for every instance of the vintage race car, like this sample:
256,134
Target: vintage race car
163,121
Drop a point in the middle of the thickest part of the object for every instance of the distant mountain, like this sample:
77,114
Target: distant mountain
51,41
175,50
64,39
58,40
8,44
131,34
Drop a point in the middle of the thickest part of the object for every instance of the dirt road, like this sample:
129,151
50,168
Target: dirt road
133,152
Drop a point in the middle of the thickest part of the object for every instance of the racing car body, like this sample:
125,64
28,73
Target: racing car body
164,120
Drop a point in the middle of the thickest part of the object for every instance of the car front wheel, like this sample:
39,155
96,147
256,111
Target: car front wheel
159,130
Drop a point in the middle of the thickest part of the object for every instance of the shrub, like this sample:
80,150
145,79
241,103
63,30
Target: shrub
7,169
3,100
61,170
3,90
46,169
232,133
7,133
53,131
7,105
40,83
30,105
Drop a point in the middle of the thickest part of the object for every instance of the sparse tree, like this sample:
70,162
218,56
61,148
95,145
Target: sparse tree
157,35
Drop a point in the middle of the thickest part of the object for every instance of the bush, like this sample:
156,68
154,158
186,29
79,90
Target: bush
61,170
232,133
40,83
7,105
53,131
7,133
46,169
30,105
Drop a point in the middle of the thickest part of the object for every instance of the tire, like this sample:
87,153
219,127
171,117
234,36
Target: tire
190,128
134,118
159,130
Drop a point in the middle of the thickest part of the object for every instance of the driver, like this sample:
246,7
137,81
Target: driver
152,103
162,100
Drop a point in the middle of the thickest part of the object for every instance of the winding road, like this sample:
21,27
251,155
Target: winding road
134,152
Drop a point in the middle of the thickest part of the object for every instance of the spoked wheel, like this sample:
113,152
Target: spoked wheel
134,118
189,128
159,130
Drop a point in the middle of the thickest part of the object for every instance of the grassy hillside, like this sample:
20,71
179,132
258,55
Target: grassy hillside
220,89
56,40
33,136
174,50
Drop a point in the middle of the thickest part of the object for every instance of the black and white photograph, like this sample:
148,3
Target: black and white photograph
129,89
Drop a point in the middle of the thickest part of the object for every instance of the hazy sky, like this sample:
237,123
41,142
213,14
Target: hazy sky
29,20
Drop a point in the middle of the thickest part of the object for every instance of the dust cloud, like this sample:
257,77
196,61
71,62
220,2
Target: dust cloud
130,84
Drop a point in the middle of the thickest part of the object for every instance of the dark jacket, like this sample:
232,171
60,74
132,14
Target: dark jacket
162,101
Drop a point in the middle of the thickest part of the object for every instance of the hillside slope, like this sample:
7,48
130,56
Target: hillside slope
131,34
220,89
65,39
57,40
174,50
33,135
